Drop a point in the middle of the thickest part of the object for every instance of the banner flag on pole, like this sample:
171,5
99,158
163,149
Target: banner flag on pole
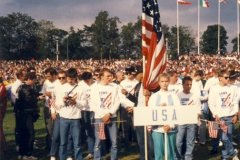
204,3
223,1
184,2
153,46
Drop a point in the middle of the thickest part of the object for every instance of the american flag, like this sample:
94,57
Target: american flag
153,47
107,101
101,131
213,129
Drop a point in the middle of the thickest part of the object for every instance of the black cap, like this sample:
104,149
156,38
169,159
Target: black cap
130,70
234,74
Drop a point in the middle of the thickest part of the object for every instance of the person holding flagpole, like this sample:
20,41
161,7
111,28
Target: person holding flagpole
164,98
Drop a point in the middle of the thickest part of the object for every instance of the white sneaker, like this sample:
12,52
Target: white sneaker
29,158
17,148
88,157
25,158
220,144
234,143
235,158
52,158
19,157
69,158
33,158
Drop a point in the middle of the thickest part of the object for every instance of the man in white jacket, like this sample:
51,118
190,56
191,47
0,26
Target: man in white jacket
87,115
104,101
70,115
223,104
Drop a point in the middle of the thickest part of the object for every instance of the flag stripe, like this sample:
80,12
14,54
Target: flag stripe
107,101
213,129
101,131
146,40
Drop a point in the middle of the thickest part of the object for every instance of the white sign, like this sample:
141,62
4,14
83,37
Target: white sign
165,115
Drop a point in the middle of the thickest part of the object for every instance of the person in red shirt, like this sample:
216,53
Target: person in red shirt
3,107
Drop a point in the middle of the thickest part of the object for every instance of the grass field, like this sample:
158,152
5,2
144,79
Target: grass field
201,152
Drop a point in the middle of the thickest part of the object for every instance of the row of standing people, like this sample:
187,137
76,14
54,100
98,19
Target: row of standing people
104,101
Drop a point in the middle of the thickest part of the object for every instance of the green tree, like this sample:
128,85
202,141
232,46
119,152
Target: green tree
45,27
104,33
18,36
78,47
186,43
166,32
137,38
209,40
235,44
55,36
127,37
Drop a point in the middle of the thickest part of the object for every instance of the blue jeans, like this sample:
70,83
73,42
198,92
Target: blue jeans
56,140
188,131
70,127
112,129
89,129
228,149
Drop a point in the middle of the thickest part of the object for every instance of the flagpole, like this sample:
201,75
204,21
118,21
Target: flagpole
178,50
198,38
237,27
145,127
219,26
165,145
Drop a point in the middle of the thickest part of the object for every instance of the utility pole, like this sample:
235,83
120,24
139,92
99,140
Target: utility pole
57,51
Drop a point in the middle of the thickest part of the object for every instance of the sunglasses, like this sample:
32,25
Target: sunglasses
61,77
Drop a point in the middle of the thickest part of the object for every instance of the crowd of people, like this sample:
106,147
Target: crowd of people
96,98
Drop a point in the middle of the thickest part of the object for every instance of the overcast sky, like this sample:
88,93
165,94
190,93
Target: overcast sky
66,13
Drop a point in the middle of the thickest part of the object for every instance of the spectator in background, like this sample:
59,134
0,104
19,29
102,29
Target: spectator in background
26,107
127,87
87,115
20,74
47,89
174,85
3,107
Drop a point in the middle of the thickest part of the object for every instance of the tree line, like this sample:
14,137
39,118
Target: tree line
22,37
